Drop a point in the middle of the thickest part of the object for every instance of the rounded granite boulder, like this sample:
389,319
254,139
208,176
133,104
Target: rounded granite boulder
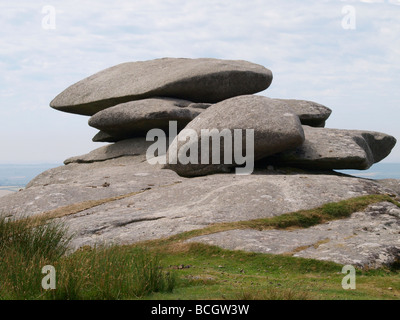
202,80
136,118
276,128
328,149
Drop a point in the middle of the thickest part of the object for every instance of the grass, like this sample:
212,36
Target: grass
42,241
295,220
217,273
98,273
110,274
26,248
174,269
272,293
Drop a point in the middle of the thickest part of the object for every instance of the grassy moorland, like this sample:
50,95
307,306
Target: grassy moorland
173,269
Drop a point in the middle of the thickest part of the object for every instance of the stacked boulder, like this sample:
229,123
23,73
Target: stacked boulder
128,100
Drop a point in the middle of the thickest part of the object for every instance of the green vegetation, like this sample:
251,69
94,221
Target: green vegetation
99,273
109,274
216,273
23,250
299,219
173,269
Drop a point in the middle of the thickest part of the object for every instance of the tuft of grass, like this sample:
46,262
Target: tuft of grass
24,250
327,212
47,241
111,273
99,273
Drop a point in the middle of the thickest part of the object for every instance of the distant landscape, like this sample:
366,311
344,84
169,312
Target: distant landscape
377,171
18,175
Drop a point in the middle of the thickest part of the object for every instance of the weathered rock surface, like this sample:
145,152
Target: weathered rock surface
102,136
136,118
366,239
5,191
338,149
199,105
310,113
128,147
75,183
198,80
276,128
392,184
165,204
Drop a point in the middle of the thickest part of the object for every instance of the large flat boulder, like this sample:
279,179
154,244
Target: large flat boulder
276,128
368,239
310,113
136,118
161,204
199,80
337,149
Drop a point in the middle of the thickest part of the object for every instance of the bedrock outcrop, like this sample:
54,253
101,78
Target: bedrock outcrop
127,200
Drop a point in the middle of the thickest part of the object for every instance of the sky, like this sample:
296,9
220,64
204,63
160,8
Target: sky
342,54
